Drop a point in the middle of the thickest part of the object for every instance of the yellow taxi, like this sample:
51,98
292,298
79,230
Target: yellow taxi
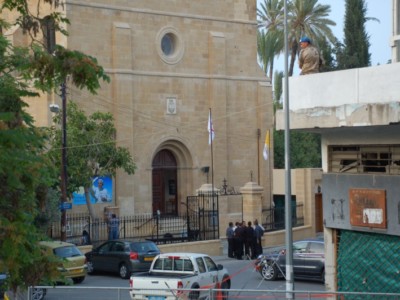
73,261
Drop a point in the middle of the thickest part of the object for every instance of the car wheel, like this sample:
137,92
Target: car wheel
323,275
38,293
90,267
123,271
225,286
77,280
269,271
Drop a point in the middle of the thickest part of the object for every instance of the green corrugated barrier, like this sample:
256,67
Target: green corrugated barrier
368,262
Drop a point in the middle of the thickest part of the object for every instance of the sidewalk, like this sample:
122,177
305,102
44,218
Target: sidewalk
224,256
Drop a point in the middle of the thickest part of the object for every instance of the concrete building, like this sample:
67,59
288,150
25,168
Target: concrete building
169,63
357,113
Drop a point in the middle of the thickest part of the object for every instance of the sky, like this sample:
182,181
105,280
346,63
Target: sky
379,32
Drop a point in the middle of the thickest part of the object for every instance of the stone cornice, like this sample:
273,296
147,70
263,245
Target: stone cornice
184,75
156,12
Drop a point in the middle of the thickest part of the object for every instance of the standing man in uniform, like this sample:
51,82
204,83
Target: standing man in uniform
230,236
258,232
309,57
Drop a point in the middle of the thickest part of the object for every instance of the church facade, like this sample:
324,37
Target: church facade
172,65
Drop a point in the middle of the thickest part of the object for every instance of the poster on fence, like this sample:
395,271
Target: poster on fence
100,191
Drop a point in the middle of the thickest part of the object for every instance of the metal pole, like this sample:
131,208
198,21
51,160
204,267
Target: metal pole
63,163
212,171
258,155
288,192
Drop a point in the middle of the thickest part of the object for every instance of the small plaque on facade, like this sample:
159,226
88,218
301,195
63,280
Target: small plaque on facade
171,106
368,208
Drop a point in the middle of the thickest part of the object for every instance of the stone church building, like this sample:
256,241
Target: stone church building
170,63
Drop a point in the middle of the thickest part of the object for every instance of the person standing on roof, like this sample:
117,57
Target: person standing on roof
309,57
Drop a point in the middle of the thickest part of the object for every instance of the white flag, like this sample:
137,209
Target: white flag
266,146
211,133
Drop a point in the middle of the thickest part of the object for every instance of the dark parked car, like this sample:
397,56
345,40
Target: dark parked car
122,256
36,293
308,261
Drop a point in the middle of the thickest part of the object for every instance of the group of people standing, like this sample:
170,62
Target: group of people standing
244,241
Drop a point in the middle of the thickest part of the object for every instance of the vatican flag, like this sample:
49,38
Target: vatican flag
266,146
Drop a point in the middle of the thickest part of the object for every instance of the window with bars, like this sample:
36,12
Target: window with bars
364,159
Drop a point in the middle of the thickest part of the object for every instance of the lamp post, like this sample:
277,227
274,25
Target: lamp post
288,191
64,175
54,108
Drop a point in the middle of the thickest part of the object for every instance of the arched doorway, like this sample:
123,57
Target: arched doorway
164,176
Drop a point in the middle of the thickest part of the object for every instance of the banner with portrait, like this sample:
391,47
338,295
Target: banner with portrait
101,191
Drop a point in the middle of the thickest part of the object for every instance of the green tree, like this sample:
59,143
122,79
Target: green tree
304,17
305,150
327,54
25,170
278,77
92,150
355,52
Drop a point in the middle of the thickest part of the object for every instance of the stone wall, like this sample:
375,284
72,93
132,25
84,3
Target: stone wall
211,247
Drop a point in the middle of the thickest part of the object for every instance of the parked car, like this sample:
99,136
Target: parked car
36,293
308,261
170,273
73,261
122,256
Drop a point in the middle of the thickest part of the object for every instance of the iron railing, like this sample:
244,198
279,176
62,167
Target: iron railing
121,293
159,228
275,217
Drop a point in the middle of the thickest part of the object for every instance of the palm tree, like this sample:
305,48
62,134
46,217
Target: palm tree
270,41
304,17
268,45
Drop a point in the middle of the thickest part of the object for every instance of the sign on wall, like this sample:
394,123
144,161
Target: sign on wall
368,208
100,192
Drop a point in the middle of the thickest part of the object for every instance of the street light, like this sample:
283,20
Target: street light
56,109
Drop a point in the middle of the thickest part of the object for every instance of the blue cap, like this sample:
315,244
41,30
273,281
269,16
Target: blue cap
305,39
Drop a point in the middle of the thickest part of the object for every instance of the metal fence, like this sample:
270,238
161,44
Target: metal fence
199,222
275,217
159,228
106,293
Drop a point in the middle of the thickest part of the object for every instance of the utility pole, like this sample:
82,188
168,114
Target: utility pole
64,176
288,192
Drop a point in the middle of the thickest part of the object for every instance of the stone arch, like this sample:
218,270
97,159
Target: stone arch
172,181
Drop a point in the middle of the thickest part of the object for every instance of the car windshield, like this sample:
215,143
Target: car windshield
67,251
300,246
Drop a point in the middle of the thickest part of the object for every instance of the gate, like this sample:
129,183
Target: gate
202,217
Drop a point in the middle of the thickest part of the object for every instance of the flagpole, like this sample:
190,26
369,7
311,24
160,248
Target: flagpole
211,133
